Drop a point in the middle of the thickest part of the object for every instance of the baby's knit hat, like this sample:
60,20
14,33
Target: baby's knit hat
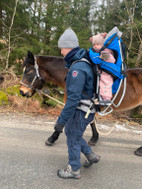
98,39
68,39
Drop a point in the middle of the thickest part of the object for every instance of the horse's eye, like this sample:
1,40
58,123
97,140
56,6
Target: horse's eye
29,71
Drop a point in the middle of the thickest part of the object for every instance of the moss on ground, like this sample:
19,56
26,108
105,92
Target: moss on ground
13,90
3,98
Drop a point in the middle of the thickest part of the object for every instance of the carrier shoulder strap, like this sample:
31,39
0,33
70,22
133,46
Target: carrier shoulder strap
108,43
81,60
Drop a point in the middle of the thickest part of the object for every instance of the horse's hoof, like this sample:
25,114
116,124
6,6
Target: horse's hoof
92,142
138,152
48,143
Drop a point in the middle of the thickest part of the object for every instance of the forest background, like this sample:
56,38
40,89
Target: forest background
36,25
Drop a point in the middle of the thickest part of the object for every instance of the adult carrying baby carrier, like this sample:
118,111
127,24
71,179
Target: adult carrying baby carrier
114,42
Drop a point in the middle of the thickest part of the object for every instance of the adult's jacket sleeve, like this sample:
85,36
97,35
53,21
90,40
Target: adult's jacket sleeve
75,84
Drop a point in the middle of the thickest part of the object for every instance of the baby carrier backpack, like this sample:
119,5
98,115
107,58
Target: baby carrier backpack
114,42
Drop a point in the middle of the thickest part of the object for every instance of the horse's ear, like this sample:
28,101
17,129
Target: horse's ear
29,60
30,57
30,54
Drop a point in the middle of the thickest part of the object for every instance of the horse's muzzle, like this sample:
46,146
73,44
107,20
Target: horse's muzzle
26,92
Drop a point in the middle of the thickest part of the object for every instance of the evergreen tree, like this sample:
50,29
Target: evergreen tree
38,24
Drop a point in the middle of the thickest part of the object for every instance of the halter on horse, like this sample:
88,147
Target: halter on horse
34,84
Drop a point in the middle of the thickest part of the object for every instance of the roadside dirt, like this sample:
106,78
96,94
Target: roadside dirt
105,123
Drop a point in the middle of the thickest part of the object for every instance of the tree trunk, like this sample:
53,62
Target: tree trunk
9,36
39,18
138,61
1,30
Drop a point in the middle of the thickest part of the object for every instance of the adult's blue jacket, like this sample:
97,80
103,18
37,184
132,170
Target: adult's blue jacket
79,78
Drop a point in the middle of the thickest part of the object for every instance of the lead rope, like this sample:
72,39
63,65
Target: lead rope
107,133
52,98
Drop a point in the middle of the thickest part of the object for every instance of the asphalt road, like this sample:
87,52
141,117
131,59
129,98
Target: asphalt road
26,163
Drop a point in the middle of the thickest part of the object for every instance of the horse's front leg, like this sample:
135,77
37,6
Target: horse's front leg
95,134
138,152
50,141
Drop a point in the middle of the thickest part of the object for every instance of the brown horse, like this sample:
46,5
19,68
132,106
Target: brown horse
41,69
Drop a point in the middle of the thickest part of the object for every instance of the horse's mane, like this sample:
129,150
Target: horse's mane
135,72
52,61
29,59
49,56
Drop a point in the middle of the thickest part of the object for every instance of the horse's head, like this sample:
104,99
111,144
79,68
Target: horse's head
32,79
1,78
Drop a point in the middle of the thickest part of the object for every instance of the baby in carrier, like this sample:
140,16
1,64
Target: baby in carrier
106,80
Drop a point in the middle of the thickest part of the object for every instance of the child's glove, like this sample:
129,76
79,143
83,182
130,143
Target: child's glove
104,55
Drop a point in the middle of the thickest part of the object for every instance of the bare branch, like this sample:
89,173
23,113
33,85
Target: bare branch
9,35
